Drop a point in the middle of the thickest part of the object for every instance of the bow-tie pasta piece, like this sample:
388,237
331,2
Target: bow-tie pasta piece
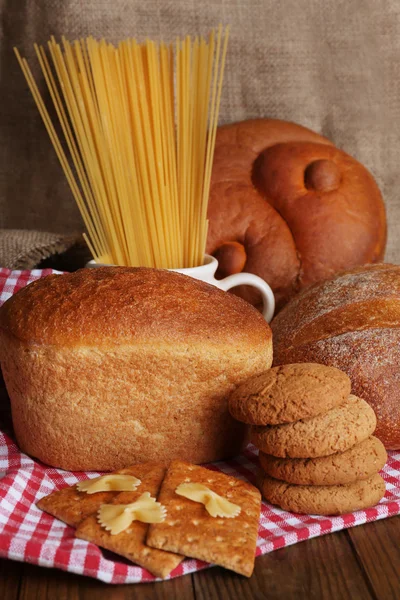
115,482
118,517
216,505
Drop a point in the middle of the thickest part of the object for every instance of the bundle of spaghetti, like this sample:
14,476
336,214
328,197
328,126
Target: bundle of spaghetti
138,125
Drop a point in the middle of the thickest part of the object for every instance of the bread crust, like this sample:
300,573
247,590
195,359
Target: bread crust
351,322
97,392
288,196
112,305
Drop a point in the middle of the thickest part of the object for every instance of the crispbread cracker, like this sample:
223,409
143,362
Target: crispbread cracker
71,506
190,530
131,543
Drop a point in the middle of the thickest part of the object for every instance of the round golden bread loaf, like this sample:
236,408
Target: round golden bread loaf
114,366
289,206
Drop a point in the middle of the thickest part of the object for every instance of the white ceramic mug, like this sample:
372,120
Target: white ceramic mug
206,272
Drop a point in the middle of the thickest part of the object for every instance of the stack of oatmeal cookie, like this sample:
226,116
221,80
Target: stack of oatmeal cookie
317,451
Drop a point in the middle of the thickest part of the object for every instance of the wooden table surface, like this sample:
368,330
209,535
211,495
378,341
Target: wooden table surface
362,562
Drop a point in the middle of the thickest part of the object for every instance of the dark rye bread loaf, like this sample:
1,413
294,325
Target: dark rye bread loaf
351,322
114,366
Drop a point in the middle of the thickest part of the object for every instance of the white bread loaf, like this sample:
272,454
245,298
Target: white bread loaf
113,366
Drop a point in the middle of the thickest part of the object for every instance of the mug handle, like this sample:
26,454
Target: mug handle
255,281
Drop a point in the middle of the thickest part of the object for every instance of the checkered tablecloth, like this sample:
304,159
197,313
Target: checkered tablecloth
28,534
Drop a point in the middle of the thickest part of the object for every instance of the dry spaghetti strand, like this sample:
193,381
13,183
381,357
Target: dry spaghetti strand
139,123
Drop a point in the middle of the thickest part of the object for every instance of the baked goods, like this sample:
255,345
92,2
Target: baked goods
79,509
286,196
323,464
289,393
131,542
337,430
323,499
191,530
359,462
351,322
113,366
72,505
190,512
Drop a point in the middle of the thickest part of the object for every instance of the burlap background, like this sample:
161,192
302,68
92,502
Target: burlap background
332,65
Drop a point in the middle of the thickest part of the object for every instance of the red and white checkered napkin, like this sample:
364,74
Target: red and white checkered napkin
28,534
